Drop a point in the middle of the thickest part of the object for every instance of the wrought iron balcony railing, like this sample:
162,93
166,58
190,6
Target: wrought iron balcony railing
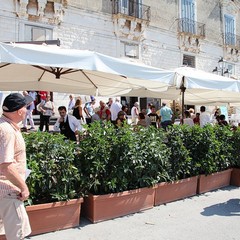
131,8
232,40
186,25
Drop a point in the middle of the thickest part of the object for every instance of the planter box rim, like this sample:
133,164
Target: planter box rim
118,194
177,181
214,173
54,204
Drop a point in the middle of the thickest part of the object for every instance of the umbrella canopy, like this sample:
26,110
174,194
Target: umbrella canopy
41,67
199,87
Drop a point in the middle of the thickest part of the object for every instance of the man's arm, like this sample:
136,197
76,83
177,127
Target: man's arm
86,111
13,176
56,126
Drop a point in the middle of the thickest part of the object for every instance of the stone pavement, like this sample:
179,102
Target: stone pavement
211,216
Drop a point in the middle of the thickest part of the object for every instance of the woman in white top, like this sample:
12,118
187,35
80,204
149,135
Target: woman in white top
135,113
46,111
188,120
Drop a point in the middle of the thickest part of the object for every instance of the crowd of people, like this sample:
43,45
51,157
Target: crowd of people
75,114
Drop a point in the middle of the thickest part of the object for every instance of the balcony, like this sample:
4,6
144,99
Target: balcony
131,8
191,27
232,40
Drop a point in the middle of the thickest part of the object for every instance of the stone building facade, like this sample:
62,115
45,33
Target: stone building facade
165,34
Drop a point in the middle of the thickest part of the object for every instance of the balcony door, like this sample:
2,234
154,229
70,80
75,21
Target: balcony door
188,16
229,29
131,7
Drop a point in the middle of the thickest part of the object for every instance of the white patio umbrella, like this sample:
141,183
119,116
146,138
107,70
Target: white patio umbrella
41,67
197,87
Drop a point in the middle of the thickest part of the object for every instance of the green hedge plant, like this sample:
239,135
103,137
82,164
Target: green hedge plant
114,159
54,176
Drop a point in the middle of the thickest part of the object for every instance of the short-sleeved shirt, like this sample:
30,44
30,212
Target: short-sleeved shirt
12,150
154,119
166,114
89,107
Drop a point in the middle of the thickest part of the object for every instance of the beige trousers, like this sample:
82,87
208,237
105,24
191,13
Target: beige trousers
14,222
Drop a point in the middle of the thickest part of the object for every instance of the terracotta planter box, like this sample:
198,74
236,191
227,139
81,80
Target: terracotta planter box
103,207
214,181
235,177
54,216
50,217
172,191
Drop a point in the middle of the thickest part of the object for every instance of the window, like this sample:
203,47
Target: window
230,68
131,7
35,33
131,50
189,61
188,16
229,30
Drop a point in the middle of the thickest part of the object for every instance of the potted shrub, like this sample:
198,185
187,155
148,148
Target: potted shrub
182,174
121,165
211,156
235,176
54,203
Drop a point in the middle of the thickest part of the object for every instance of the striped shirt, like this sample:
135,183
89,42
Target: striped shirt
12,150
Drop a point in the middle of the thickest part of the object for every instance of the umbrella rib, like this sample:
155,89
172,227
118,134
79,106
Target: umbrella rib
56,71
5,65
88,79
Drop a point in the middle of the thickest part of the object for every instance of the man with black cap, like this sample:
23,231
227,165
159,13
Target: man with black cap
13,189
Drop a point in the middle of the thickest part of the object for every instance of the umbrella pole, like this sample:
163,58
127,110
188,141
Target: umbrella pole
183,89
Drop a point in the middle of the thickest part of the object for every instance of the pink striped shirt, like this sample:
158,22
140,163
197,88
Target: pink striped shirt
12,150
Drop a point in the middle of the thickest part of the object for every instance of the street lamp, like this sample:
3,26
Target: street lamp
221,68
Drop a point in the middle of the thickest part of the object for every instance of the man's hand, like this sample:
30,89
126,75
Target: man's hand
61,120
23,195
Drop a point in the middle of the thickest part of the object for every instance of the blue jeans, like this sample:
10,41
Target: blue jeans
165,124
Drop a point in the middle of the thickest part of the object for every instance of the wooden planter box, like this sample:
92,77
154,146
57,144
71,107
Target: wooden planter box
103,207
235,177
50,217
214,181
172,191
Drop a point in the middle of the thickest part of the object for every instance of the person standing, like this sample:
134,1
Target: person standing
166,116
13,189
67,124
188,120
105,113
155,119
29,116
135,113
88,109
115,108
204,117
78,111
47,110
71,104
109,103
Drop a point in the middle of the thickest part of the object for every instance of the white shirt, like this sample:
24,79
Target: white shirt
115,108
71,104
74,124
204,119
134,112
188,121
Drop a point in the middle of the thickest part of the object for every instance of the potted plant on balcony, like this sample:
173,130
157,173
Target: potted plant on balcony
120,166
53,203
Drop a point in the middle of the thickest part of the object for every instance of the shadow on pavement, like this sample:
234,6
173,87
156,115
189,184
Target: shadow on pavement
229,208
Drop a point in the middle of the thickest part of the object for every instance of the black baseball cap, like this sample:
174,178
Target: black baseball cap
15,101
